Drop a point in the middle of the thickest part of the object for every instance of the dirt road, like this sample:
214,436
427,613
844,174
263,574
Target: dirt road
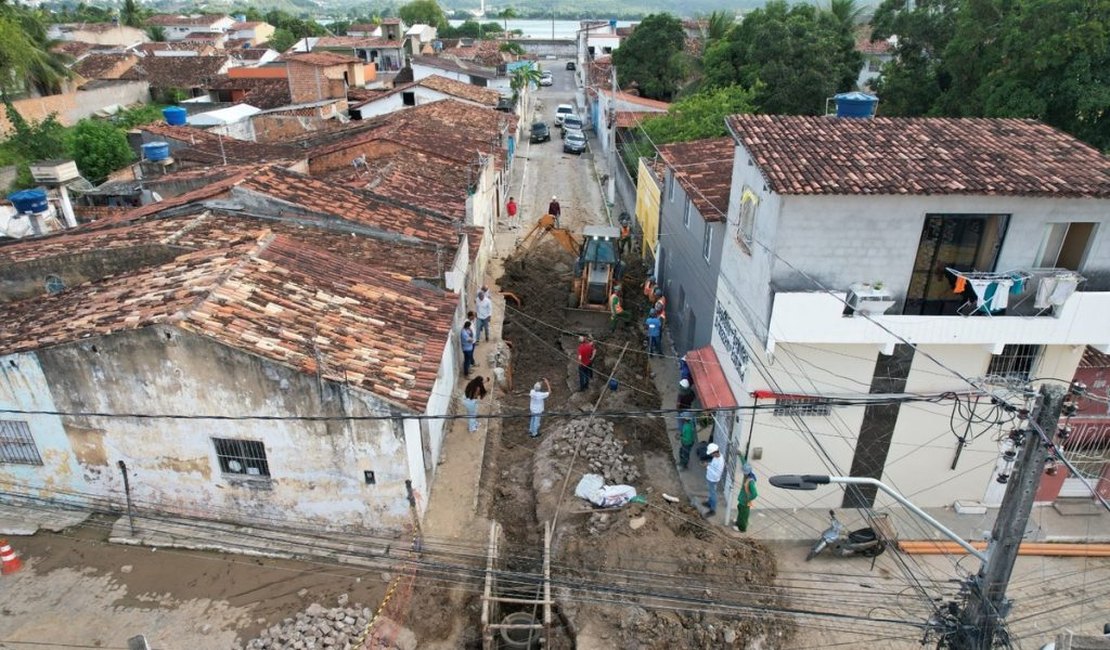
78,589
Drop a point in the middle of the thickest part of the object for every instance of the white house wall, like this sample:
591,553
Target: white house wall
395,102
316,467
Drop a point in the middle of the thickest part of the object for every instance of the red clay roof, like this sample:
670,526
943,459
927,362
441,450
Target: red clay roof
104,66
704,169
320,59
469,92
275,298
413,177
177,71
709,379
920,156
636,99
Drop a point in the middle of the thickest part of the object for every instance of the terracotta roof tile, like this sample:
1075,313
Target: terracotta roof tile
470,92
97,66
176,46
352,42
72,48
704,169
412,177
167,20
276,298
320,59
210,148
176,71
923,156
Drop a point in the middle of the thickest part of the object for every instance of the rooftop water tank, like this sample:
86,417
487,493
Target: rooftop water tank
612,23
156,151
175,115
855,104
29,201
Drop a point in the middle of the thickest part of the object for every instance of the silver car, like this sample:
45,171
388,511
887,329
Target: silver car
574,142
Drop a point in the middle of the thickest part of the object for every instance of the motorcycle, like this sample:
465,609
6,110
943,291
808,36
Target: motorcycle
865,541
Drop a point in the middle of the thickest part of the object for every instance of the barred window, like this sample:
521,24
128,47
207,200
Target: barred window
802,406
242,457
1016,362
17,445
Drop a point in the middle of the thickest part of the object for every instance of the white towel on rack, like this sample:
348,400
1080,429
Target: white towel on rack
1065,286
1045,289
1001,295
980,289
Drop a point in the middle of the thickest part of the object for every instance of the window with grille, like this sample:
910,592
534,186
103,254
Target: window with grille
242,457
686,214
802,406
707,242
1016,362
17,445
745,229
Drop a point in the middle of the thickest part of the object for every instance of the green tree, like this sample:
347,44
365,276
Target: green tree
156,33
505,14
282,40
99,148
653,57
25,60
423,12
911,83
522,77
797,55
846,13
511,48
31,141
131,14
718,25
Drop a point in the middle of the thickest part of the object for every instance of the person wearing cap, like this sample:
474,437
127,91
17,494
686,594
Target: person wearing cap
616,308
744,499
685,401
713,471
554,209
649,286
538,396
684,369
484,307
654,326
624,244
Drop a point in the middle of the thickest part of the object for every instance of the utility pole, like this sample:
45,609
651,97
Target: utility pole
981,619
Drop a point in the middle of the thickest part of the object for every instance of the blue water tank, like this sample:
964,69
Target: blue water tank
855,104
156,151
175,115
29,201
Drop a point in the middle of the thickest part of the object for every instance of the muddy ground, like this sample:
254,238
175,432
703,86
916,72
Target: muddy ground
646,576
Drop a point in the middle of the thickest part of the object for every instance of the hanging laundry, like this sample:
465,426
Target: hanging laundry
1018,286
1001,298
1045,289
980,287
961,284
1065,286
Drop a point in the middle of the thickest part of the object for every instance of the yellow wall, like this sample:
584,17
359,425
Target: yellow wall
647,209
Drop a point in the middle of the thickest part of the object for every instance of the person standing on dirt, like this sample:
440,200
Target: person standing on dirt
624,244
466,337
538,396
510,207
616,309
555,210
649,287
748,494
474,391
484,307
686,397
655,334
660,306
586,354
688,437
713,471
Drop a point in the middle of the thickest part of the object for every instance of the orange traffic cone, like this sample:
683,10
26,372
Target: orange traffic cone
9,561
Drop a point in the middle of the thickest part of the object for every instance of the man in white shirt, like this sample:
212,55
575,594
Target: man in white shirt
484,308
713,471
538,397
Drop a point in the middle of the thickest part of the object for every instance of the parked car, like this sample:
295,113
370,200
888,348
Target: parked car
547,79
540,132
571,66
561,112
571,123
575,142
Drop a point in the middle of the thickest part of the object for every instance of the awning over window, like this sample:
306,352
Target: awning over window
709,379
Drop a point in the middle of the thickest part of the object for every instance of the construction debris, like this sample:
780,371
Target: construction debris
601,452
338,628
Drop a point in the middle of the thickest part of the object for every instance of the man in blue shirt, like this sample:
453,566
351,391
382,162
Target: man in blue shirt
467,338
655,334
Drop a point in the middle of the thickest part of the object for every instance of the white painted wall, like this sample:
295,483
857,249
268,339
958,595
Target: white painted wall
395,101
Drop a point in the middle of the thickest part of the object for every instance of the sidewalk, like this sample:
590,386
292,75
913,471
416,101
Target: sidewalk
794,524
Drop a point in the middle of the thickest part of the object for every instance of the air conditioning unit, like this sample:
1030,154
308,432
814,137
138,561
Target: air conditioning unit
54,171
865,298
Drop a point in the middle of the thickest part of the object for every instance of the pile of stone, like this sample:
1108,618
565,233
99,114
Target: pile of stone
601,451
338,628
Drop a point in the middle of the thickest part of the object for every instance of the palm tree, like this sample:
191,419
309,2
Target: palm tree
130,14
505,14
523,77
25,54
156,33
717,25
846,13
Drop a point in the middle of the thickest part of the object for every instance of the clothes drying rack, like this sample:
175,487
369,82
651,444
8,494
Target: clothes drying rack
989,302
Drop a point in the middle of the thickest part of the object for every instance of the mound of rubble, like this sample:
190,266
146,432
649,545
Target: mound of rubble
601,452
318,628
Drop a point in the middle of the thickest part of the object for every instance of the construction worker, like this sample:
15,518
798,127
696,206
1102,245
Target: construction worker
748,493
649,287
660,306
624,244
616,310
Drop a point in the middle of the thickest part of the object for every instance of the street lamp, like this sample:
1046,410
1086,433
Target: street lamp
811,481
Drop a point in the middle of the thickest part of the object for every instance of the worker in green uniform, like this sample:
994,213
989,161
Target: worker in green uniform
744,499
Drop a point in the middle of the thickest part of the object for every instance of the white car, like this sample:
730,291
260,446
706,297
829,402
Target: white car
547,79
561,112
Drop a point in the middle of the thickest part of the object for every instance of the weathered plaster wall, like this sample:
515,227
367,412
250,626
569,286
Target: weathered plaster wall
316,467
26,279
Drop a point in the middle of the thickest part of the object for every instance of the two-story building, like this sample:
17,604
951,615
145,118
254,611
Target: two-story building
178,27
953,259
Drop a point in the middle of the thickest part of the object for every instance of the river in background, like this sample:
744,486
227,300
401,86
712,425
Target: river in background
559,29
